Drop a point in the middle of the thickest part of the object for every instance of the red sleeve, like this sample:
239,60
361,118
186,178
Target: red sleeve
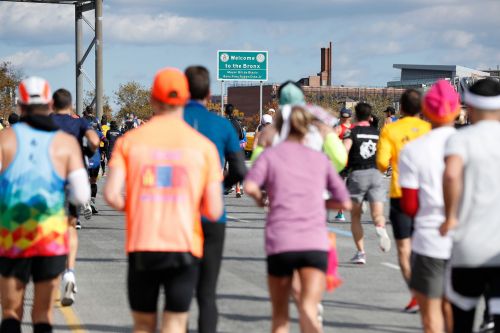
409,201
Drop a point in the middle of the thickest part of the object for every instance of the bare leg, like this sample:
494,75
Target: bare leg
313,285
144,322
174,322
12,291
44,301
73,243
430,312
404,253
279,291
448,315
356,228
296,288
377,211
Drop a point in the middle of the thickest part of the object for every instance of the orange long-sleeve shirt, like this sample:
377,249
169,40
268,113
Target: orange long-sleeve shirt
393,138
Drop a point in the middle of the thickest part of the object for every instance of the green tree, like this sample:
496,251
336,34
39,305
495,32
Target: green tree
131,97
379,104
213,106
9,80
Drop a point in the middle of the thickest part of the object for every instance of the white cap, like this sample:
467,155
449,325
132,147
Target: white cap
34,90
267,119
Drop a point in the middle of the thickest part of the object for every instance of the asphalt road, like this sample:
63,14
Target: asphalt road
370,300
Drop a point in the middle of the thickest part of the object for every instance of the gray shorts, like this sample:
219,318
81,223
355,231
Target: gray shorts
366,185
428,275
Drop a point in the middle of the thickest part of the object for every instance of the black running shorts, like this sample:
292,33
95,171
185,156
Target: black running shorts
283,264
468,284
72,210
402,224
38,268
177,279
94,172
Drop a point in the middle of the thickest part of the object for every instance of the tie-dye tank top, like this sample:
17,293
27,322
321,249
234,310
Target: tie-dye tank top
32,211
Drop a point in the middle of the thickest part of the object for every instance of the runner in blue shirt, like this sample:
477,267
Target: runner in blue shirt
79,128
222,134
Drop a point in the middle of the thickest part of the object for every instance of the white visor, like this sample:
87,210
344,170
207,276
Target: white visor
482,102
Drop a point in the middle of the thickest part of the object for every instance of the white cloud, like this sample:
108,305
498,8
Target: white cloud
162,28
386,48
36,23
36,59
41,24
458,39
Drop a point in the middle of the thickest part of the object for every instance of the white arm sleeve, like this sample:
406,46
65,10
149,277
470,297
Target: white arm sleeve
78,187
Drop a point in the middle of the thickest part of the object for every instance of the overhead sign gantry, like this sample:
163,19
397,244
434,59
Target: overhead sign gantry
82,6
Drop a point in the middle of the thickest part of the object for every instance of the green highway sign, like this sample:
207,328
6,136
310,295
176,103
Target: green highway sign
242,65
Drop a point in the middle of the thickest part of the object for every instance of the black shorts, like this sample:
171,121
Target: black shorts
38,268
402,224
468,284
72,210
177,274
94,172
283,264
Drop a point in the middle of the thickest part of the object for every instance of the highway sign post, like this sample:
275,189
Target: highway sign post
242,66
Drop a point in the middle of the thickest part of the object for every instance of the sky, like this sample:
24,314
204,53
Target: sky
142,36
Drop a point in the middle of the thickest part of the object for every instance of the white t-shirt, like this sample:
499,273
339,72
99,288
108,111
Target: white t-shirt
476,240
421,166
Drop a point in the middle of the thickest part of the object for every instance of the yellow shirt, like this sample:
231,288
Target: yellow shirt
105,129
393,138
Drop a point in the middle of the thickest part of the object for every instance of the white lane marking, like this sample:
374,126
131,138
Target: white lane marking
237,219
388,264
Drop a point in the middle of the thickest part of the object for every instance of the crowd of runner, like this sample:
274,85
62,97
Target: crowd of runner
169,175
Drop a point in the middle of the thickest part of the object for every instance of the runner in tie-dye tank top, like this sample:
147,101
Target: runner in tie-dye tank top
40,167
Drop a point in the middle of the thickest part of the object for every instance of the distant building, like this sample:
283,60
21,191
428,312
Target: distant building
324,77
493,72
216,99
246,98
422,76
317,88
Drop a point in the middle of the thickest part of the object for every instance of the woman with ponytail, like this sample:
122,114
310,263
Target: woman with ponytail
295,178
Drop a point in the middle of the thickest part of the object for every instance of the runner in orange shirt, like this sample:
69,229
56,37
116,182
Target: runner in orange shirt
172,175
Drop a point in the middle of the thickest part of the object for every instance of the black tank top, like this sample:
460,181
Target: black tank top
364,147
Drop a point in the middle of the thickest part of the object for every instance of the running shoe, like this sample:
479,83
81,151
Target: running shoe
359,258
412,307
487,326
92,206
321,310
69,283
340,217
238,194
87,211
383,239
78,225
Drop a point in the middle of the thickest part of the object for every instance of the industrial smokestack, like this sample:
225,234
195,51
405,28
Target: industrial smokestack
329,80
